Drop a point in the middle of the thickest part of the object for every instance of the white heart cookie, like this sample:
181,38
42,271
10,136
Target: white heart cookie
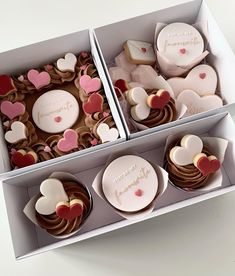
202,79
17,133
196,104
107,134
53,192
67,63
191,145
137,97
180,43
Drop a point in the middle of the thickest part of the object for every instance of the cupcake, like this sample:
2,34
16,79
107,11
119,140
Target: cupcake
190,163
62,206
151,107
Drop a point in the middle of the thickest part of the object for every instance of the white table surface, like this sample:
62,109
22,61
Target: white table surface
197,240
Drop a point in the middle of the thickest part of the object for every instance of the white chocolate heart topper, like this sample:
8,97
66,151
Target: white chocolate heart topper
202,79
196,104
17,133
67,63
52,191
184,155
180,43
107,134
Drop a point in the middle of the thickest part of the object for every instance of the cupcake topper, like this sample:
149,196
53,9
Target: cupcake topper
69,210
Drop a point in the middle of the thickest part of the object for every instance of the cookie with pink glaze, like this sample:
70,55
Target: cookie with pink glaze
130,183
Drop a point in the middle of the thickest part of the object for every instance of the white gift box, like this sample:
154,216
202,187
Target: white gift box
35,55
110,40
29,239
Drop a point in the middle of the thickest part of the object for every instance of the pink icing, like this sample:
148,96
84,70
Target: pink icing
39,80
12,110
69,142
90,85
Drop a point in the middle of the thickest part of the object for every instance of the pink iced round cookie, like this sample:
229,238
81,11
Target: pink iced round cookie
130,183
55,111
180,43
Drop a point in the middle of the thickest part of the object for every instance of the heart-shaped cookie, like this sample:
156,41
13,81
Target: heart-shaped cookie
12,110
206,165
160,100
67,63
94,104
137,98
39,80
107,134
89,84
69,210
196,104
202,79
21,158
6,85
69,142
17,133
183,155
52,191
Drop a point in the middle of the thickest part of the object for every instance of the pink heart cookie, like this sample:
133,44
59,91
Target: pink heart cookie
12,110
196,104
39,80
69,142
90,84
202,79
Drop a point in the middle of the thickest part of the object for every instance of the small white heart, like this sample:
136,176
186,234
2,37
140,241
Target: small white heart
53,192
107,134
67,63
17,133
191,145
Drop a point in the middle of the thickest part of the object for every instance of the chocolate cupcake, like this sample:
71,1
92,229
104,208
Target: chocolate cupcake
190,164
62,207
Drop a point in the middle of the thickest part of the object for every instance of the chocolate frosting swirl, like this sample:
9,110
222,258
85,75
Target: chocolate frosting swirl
159,117
186,177
57,226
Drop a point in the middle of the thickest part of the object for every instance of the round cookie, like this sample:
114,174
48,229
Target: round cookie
181,43
55,111
130,183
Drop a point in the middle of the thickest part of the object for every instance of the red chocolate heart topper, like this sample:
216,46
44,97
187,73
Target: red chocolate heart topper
21,160
122,85
94,104
69,210
208,165
6,85
159,101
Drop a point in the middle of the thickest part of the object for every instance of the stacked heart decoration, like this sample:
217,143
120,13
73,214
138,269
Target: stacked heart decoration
190,152
55,200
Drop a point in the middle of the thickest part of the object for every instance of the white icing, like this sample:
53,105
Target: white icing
55,111
124,177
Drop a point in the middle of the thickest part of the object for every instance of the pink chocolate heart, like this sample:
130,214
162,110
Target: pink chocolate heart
202,75
90,85
57,119
12,110
39,80
69,142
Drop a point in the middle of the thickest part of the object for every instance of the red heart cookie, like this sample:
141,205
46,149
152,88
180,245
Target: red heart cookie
122,85
22,159
69,210
160,100
6,85
208,165
94,104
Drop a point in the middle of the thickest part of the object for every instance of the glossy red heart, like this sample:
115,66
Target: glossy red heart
159,102
207,166
144,50
182,50
69,211
202,76
22,160
122,85
94,104
139,192
6,85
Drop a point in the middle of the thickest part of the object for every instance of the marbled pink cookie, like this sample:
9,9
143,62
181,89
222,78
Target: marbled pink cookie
202,79
148,77
122,62
117,73
130,183
12,110
196,104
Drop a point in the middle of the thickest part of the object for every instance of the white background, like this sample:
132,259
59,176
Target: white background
197,240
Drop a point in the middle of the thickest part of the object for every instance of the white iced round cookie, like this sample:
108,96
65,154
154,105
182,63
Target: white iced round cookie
181,43
130,183
55,111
